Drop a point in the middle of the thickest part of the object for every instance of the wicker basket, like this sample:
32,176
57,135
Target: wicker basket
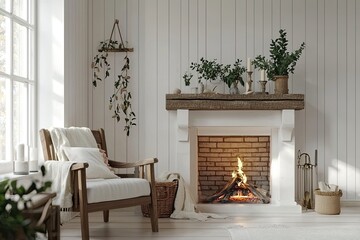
166,192
327,202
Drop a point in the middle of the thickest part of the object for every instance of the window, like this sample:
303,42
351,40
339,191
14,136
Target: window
17,76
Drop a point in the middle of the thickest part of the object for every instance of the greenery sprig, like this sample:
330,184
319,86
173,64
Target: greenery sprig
212,70
120,101
13,200
207,70
100,60
281,62
234,73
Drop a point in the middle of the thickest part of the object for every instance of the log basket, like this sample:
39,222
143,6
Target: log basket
166,193
327,202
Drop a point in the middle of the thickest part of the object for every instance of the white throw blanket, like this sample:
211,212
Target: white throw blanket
59,173
184,207
71,137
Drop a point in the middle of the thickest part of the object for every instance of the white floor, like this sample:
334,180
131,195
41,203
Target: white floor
131,225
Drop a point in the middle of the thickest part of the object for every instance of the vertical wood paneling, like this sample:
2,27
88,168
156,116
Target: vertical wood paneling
350,99
184,38
193,31
250,38
75,64
357,100
276,25
98,34
286,19
298,84
109,122
213,38
132,32
142,75
175,80
120,139
149,82
258,38
228,35
341,93
163,83
321,90
170,34
174,71
240,28
311,65
201,23
331,106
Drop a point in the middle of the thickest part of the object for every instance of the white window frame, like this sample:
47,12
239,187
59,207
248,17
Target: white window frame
6,166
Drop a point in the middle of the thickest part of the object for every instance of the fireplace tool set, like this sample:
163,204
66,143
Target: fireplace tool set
306,176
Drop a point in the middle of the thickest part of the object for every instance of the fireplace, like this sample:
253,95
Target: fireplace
197,116
233,169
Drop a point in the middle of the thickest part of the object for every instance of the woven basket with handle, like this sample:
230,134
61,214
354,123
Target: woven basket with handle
166,193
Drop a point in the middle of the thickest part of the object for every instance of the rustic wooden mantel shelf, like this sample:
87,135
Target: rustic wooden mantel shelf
234,101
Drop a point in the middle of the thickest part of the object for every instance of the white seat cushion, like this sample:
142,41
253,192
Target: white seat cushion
99,190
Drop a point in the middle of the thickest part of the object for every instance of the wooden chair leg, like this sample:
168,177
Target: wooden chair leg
153,214
106,215
84,219
84,215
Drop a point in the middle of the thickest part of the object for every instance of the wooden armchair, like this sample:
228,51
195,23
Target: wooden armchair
79,184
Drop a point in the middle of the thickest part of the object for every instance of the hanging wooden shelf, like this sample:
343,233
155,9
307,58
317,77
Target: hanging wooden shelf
121,48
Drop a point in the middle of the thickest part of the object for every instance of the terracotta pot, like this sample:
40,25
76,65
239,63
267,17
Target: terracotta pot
281,84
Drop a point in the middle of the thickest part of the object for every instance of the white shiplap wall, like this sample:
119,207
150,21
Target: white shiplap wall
168,35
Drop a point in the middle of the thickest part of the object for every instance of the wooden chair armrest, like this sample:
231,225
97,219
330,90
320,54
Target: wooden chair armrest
79,166
145,162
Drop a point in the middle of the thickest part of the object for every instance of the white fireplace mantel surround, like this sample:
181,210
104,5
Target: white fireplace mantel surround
278,124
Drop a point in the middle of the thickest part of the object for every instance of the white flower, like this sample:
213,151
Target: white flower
15,198
8,207
20,205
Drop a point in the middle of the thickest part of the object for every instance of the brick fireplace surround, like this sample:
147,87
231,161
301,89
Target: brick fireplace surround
217,159
233,116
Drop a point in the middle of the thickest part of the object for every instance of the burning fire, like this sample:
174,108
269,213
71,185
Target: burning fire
237,190
239,172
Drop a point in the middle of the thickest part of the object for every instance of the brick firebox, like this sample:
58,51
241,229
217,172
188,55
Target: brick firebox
217,158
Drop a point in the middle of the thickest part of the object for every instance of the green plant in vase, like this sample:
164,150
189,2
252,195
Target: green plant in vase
207,70
281,62
233,75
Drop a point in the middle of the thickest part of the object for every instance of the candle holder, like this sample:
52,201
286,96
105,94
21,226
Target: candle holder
249,82
263,86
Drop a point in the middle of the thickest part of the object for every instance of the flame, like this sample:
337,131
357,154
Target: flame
239,171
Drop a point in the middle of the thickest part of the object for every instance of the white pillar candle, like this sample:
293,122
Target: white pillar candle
249,69
33,154
262,75
20,152
33,160
21,167
33,165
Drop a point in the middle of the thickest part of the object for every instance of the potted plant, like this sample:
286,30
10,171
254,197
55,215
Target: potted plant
232,76
281,62
13,200
207,70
